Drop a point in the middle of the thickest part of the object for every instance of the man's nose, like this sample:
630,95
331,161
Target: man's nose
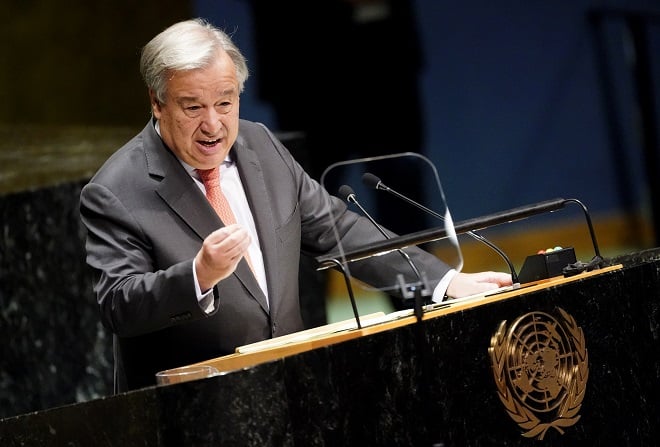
211,121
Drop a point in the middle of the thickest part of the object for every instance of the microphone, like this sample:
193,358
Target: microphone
375,182
347,194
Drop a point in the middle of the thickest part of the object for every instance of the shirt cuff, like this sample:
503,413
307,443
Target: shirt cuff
205,299
440,291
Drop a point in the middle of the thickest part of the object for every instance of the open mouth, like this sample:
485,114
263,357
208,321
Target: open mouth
209,143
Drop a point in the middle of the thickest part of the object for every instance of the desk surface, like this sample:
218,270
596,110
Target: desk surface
287,345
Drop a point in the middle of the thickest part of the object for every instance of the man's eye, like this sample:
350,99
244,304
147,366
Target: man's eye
192,108
224,107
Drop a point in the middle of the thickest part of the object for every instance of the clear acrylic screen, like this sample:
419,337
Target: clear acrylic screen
377,184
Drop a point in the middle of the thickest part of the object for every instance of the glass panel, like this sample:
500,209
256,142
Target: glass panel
403,209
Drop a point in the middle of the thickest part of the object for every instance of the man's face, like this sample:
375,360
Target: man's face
199,119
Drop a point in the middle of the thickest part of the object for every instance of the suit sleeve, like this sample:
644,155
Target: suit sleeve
134,296
322,234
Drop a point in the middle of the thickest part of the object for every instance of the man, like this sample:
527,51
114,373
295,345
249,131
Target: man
173,283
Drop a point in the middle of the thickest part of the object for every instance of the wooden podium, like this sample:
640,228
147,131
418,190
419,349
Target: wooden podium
567,361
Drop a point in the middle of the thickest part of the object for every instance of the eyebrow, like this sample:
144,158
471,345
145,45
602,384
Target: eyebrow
228,92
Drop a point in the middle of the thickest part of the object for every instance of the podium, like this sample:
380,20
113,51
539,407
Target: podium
401,382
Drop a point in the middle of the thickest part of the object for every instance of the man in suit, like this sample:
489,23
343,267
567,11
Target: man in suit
173,282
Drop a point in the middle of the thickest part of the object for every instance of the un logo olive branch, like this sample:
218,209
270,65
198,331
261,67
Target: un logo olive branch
540,367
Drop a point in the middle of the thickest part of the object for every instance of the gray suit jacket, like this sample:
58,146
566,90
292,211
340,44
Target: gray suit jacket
146,219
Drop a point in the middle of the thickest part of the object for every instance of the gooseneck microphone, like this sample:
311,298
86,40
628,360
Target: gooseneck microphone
348,194
375,182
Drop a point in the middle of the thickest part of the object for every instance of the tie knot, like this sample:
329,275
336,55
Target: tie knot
209,176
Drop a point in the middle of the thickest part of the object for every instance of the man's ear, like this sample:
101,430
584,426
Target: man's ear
155,103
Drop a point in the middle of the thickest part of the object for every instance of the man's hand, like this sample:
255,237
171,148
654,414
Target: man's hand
220,253
465,284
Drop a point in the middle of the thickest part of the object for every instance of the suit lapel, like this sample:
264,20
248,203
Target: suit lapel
177,188
255,188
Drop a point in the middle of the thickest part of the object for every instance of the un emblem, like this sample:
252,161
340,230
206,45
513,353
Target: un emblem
540,366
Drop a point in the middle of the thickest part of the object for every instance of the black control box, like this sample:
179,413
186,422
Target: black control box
546,265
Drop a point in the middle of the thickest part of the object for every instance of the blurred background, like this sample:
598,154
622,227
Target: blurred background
513,102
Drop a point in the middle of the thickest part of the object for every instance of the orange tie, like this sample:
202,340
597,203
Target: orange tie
211,180
215,196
